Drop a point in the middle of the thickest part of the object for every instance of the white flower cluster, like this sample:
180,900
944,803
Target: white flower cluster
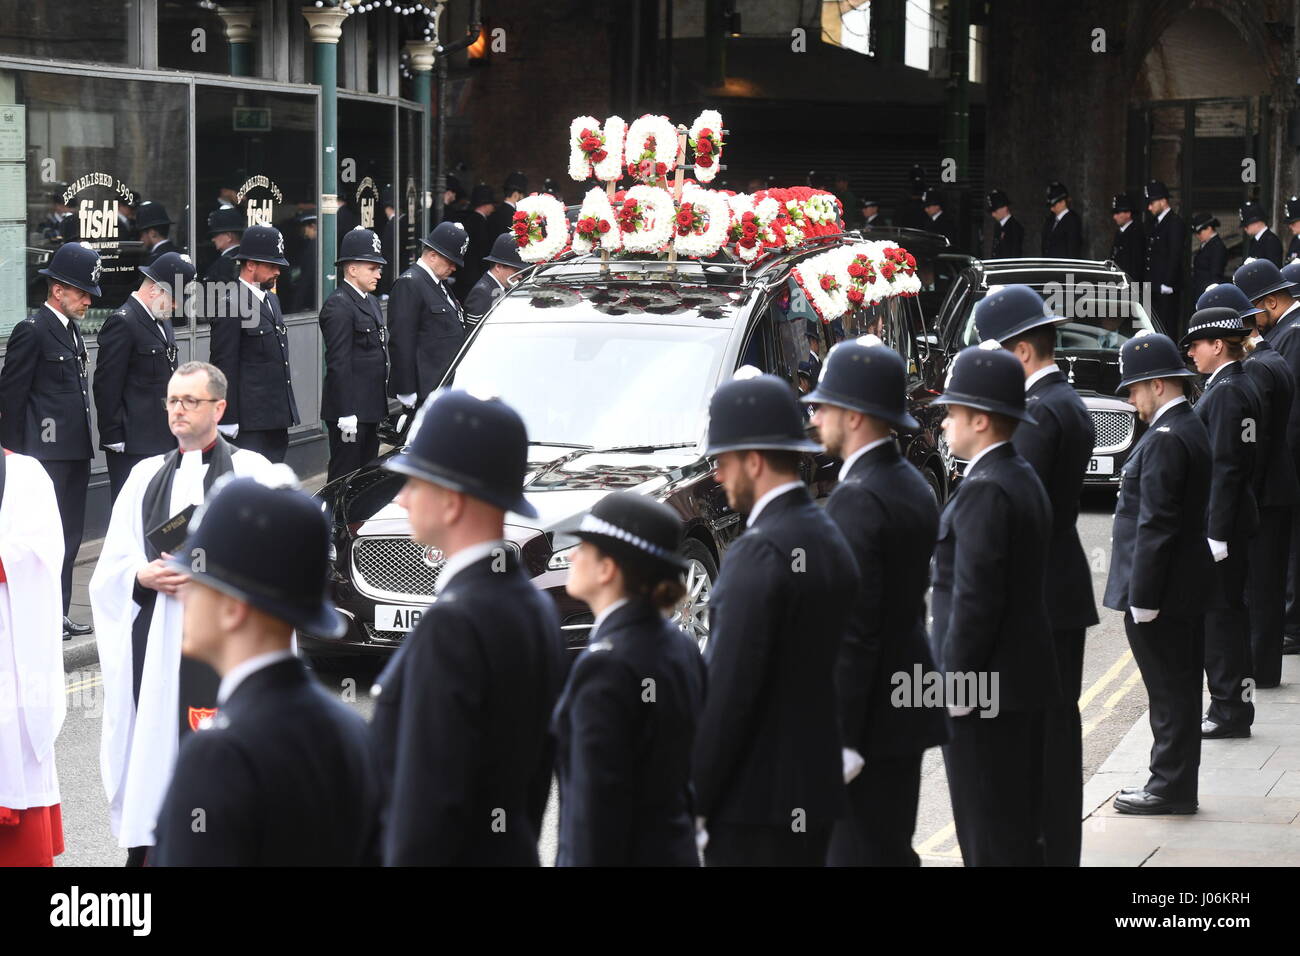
821,209
712,121
610,168
808,274
555,228
713,205
656,130
656,229
764,212
596,205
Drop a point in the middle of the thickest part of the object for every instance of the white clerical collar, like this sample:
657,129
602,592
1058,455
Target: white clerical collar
1180,400
1126,225
1062,213
464,558
1217,371
356,289
241,671
256,290
776,492
1164,212
1041,373
600,618
848,462
59,315
1003,220
971,464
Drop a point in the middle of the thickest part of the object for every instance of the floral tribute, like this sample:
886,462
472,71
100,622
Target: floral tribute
540,228
651,150
702,223
596,150
596,225
646,216
705,138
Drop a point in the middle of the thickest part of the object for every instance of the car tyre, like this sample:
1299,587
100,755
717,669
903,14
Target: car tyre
692,615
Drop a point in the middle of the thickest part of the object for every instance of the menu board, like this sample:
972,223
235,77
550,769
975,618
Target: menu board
13,276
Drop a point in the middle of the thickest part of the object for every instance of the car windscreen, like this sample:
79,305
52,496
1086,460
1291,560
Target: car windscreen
1099,318
603,385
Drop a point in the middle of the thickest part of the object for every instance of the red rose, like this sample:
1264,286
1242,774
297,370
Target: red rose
887,270
684,217
521,241
520,215
855,270
660,168
749,230
828,283
599,156
856,296
705,161
747,217
521,229
603,226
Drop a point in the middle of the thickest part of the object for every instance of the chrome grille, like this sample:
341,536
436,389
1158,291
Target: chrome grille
393,568
1114,430
382,637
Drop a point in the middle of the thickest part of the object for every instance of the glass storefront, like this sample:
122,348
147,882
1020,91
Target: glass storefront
366,170
192,36
97,31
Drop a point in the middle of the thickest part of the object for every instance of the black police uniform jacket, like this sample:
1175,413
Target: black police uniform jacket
1166,245
1265,245
160,250
768,743
623,747
224,268
486,291
501,220
990,569
1063,238
944,225
1059,447
136,358
250,345
356,357
44,395
1008,239
1277,485
1230,407
1208,266
426,332
1129,251
1293,248
462,721
1160,559
1284,338
284,776
889,519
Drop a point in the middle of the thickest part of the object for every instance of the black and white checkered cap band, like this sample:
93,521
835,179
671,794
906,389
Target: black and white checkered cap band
594,525
1218,325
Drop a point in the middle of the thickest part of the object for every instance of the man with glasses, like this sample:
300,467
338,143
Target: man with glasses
137,355
151,694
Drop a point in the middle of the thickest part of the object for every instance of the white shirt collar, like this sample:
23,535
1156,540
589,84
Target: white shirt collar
776,492
144,305
157,244
600,618
464,558
1217,371
936,215
256,290
970,466
1181,399
1126,225
1003,220
1060,214
1291,308
241,671
355,289
425,266
1163,213
1042,372
848,462
59,315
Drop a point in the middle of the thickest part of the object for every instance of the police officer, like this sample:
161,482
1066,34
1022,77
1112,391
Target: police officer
1231,408
1262,243
136,358
514,189
769,775
463,707
1063,231
482,203
871,217
1160,567
1292,210
625,724
1277,490
425,320
302,297
152,226
284,774
45,398
1009,236
1166,248
911,213
225,227
504,266
1058,444
1211,259
1129,249
888,516
939,220
354,396
990,616
251,347
1272,292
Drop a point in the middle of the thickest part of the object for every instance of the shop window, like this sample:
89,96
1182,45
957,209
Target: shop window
200,36
256,150
92,30
407,221
366,167
78,156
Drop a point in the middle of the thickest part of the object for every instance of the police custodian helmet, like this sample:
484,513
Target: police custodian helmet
632,528
505,251
1150,355
473,445
989,378
1227,295
759,414
74,264
262,243
1259,278
1213,323
1010,311
171,270
268,546
361,245
870,379
449,240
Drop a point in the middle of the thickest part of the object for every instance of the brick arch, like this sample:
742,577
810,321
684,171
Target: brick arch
1151,19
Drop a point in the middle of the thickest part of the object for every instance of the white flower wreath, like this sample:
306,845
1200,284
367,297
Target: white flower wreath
596,205
718,221
764,212
657,223
712,121
609,169
827,303
555,228
646,130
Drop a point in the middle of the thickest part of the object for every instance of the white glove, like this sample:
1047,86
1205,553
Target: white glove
1166,290
1143,615
1219,549
407,400
117,446
955,711
701,834
348,425
230,431
853,763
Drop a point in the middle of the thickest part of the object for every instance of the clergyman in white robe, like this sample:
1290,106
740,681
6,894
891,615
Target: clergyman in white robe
138,743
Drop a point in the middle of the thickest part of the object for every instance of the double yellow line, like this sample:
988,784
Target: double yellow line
83,684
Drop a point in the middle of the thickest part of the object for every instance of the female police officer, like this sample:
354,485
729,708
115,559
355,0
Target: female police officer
625,724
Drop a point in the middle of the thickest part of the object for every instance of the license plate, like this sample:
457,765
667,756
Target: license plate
1101,466
397,617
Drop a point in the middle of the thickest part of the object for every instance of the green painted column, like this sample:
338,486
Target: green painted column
326,26
238,21
421,58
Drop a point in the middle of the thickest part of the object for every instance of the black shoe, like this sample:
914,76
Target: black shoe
1132,789
73,629
1213,730
1290,644
1146,802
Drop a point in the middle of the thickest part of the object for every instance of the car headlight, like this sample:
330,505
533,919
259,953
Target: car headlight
333,552
559,560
